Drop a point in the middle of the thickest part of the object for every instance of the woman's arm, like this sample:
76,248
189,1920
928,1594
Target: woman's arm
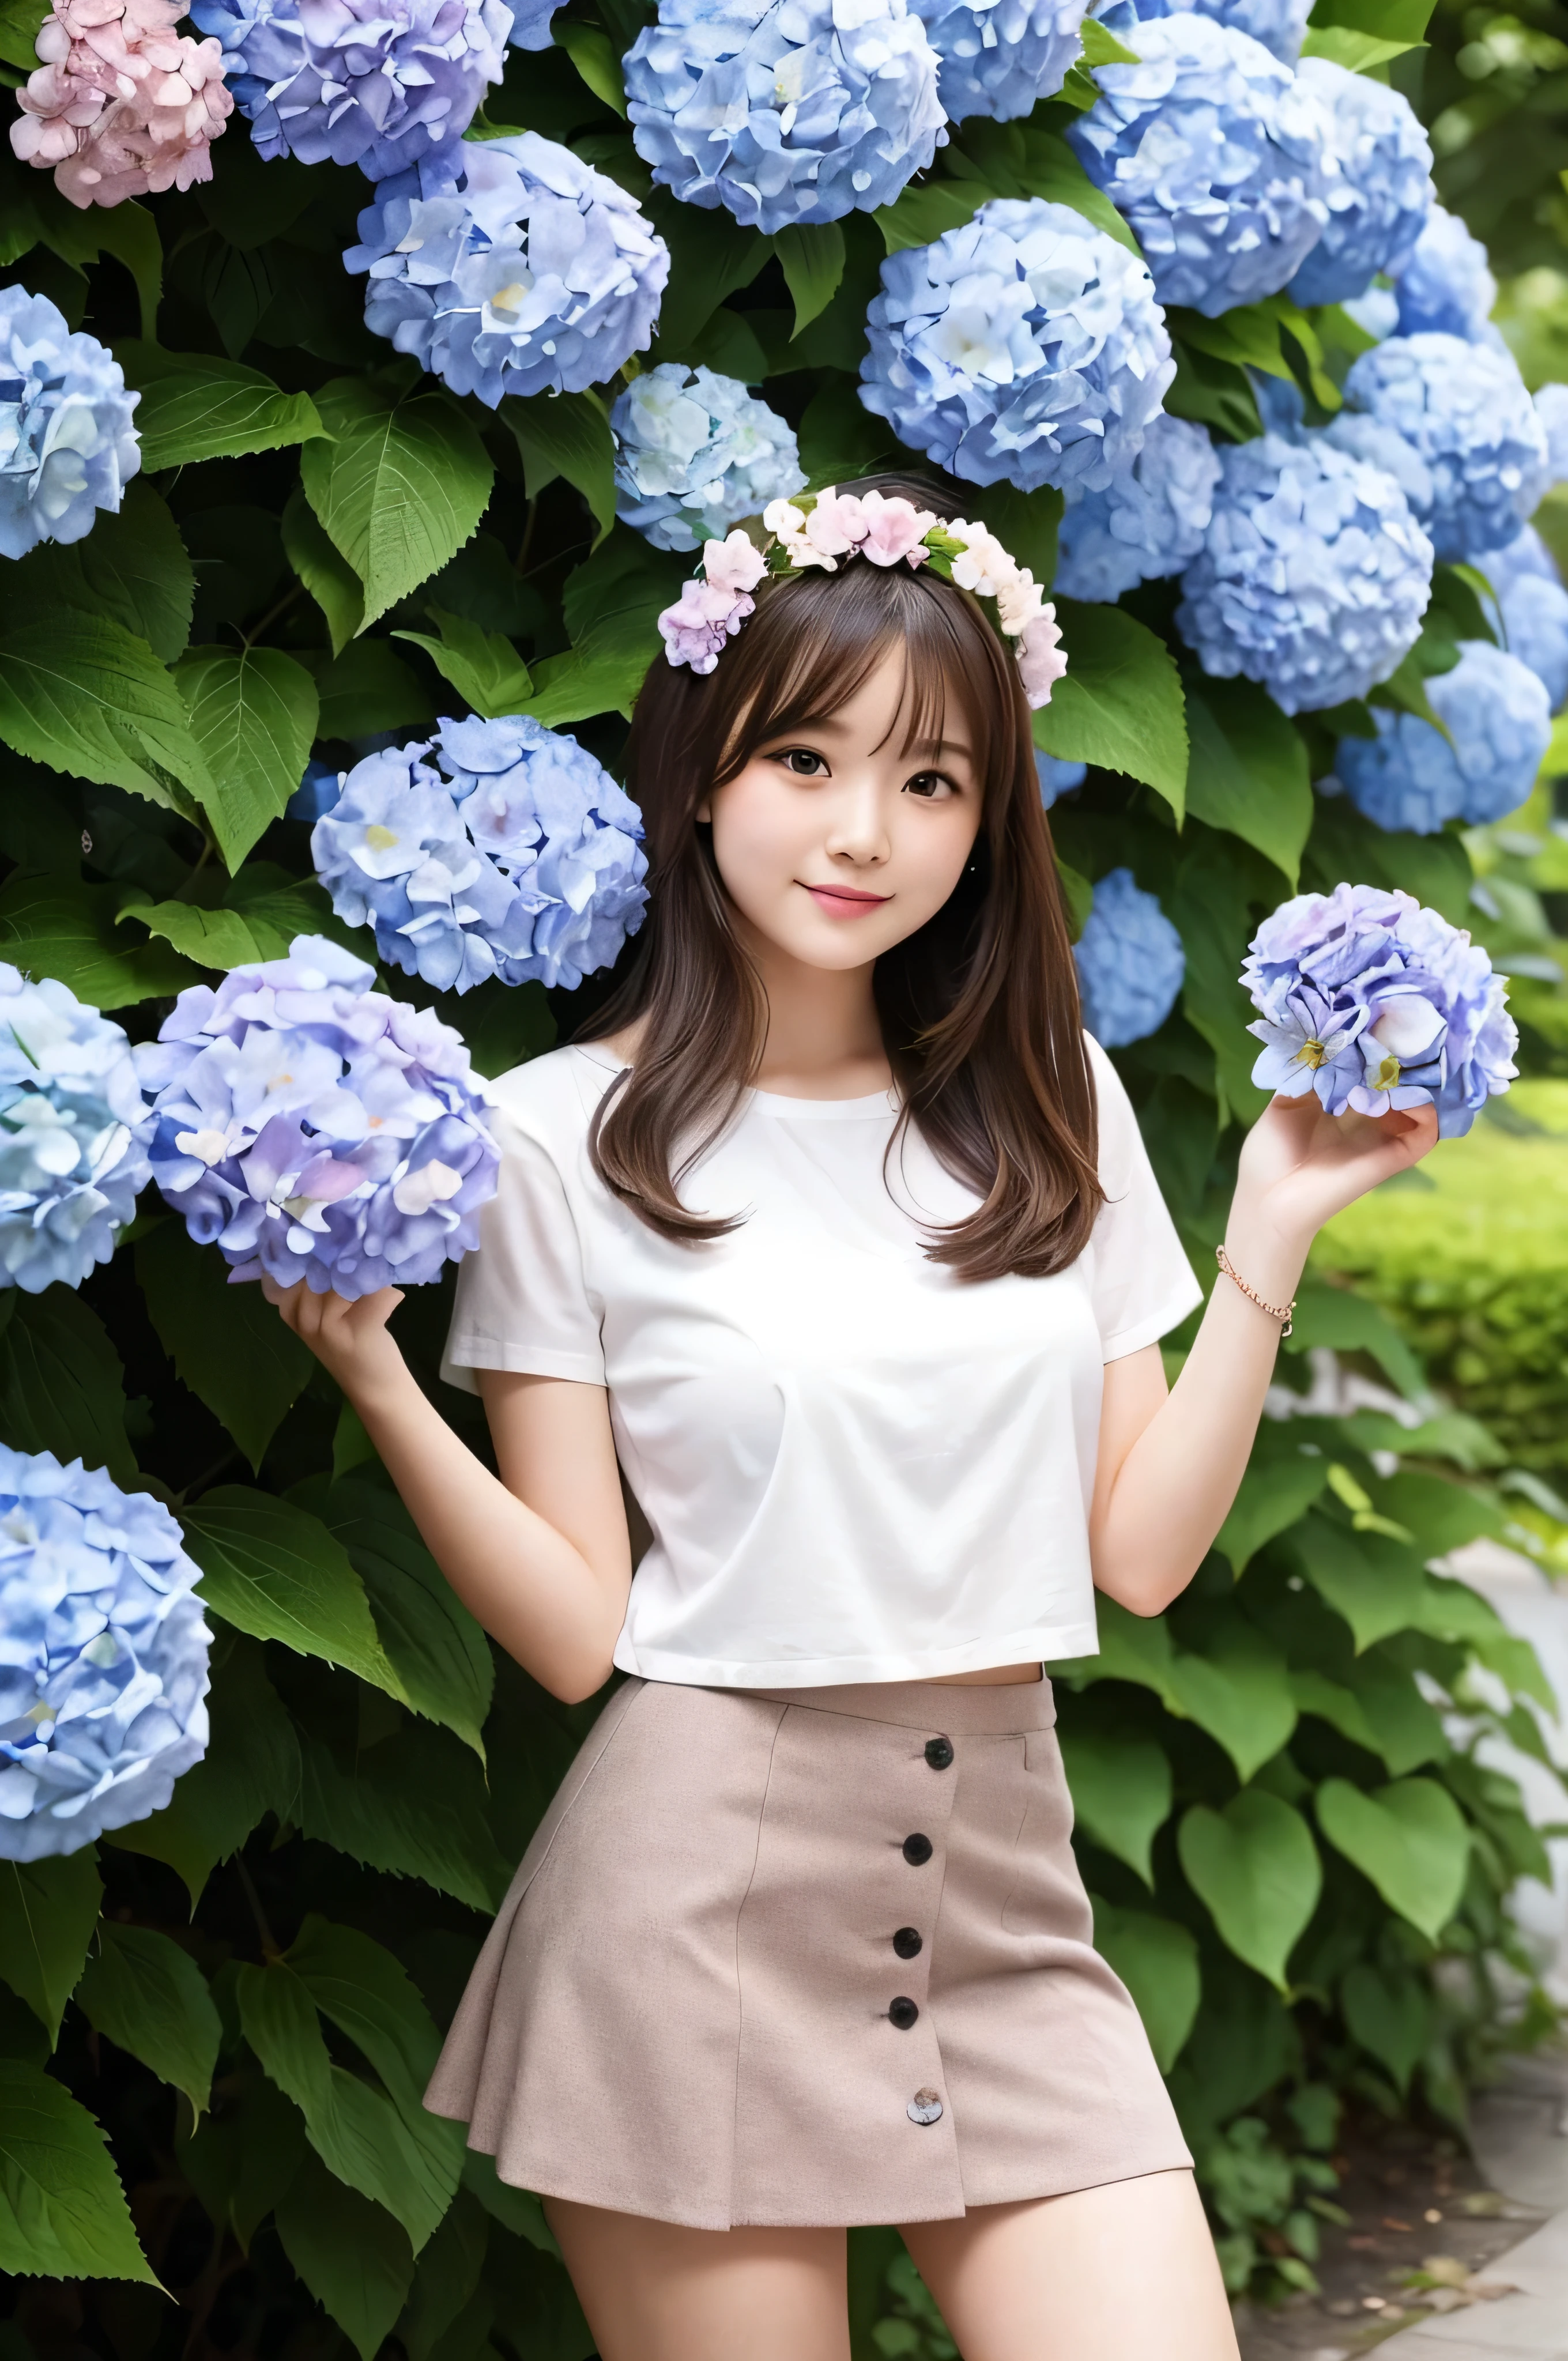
1169,1464
541,1557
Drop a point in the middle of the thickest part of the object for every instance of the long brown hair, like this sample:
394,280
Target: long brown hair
979,1007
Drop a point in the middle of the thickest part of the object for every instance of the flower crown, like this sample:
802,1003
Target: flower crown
821,528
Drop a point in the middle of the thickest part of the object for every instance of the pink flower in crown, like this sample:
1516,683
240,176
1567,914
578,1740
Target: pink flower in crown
983,566
1041,663
733,564
787,525
894,529
837,525
1018,602
704,616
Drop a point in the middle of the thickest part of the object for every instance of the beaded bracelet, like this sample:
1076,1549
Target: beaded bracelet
1285,1317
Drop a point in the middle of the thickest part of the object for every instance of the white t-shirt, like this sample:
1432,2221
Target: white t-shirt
856,1465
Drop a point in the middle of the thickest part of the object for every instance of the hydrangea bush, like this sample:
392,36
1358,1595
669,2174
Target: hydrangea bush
1277,24
1131,962
103,1656
1381,195
1148,522
68,446
1002,57
1496,713
73,1133
1530,609
1465,411
121,105
694,452
1446,288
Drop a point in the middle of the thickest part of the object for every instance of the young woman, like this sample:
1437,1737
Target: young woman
840,1241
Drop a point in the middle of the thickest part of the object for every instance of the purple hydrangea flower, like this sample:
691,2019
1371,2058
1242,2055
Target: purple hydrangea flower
1023,348
1374,1004
1497,714
1218,157
694,452
1148,520
1446,288
103,1656
314,1129
1279,24
1001,56
380,83
495,848
73,1134
784,111
67,444
1463,409
1380,199
511,267
1313,575
1131,963
531,24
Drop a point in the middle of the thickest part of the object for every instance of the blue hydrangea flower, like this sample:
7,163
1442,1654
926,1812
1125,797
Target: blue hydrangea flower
1384,446
1057,778
316,793
508,851
1129,962
1463,410
67,444
1279,24
345,81
1146,522
511,267
531,24
1217,156
1376,313
73,1134
1498,717
103,1656
696,452
1529,610
1026,347
314,1129
1551,409
1001,56
1374,1003
785,110
1446,288
1380,199
1313,575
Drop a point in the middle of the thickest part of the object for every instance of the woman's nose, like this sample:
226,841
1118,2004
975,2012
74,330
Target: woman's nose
857,830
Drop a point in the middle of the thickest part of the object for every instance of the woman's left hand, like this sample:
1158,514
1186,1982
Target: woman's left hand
1299,1167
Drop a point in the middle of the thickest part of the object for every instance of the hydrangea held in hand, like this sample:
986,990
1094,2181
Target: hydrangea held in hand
1025,347
122,104
1279,24
1001,56
1463,410
696,452
103,1656
1148,522
1498,717
1380,199
1375,1002
784,111
73,1134
67,444
496,847
511,267
314,1129
380,83
1313,575
1446,288
1218,157
1130,960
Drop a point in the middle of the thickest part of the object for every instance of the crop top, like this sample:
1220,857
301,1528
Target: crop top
856,1465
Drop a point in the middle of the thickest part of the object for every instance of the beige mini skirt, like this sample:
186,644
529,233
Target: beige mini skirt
803,1958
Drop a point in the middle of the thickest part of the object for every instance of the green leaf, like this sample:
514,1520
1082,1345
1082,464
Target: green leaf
1157,1961
254,713
1375,1583
414,1806
1452,1611
839,439
437,1650
812,256
243,2161
1102,47
1280,1483
61,1387
62,2211
612,605
1249,771
1256,1867
596,57
368,688
194,406
1024,522
274,1572
566,434
925,212
1216,892
1239,1691
1407,1731
400,488
1247,336
132,567
48,1912
1357,52
19,24
1120,703
364,1992
1410,1839
147,1996
1390,2016
251,1767
1339,1707
227,1344
1354,1323
447,2275
1121,1792
85,697
324,571
1390,20
1029,159
710,257
265,909
56,925
1215,392
483,666
354,2258
127,231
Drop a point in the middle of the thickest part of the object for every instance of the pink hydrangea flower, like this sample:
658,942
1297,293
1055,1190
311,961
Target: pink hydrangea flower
894,529
733,564
121,105
1041,662
703,617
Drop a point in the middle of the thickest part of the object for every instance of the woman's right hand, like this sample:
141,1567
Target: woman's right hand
350,1339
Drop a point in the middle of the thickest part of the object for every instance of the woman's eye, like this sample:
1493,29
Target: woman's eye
803,762
929,784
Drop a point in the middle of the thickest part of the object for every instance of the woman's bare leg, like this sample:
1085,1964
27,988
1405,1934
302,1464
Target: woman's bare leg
653,2292
1122,2273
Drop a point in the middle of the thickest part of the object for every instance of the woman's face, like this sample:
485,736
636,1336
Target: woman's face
837,841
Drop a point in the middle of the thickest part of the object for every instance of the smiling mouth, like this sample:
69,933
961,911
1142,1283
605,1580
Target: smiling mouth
844,901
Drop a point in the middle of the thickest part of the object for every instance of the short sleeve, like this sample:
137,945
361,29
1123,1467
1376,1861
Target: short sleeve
523,1302
1142,1282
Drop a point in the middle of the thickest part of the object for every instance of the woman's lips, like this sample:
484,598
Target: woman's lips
845,901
